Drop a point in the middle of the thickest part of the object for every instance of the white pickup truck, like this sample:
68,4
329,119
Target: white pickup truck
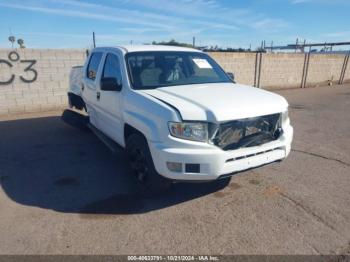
178,115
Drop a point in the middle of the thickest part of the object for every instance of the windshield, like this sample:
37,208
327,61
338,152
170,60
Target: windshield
149,70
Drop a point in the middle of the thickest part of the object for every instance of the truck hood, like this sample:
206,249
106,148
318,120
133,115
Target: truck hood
219,102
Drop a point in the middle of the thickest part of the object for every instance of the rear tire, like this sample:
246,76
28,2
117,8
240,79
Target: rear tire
142,166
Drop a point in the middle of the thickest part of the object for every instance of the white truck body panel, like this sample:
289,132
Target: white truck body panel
150,110
220,102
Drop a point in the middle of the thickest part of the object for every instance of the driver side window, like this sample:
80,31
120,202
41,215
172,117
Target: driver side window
112,67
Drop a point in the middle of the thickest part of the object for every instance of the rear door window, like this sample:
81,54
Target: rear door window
93,65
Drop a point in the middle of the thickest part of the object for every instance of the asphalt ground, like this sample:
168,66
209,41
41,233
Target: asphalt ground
63,192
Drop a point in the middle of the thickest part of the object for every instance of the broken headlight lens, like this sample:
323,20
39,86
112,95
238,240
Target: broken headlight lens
195,131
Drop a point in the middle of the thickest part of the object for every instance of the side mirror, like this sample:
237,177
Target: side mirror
110,84
231,75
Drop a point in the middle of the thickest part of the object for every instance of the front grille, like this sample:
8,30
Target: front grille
248,132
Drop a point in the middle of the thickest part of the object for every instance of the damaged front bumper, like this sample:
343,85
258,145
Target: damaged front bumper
210,162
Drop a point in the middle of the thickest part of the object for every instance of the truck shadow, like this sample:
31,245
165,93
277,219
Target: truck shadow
48,164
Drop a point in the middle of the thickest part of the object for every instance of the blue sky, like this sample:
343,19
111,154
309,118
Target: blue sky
69,23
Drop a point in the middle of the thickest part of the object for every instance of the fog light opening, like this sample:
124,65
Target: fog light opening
174,166
192,168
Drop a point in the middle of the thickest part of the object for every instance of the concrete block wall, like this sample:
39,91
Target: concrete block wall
241,64
324,68
281,70
347,73
48,91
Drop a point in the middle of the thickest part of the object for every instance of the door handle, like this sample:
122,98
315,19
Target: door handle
98,95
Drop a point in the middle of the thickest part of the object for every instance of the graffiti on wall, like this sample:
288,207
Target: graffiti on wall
13,57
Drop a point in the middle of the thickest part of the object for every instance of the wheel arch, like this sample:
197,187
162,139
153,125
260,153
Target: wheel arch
76,101
142,124
129,130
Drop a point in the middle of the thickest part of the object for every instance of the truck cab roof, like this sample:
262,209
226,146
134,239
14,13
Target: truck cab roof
145,48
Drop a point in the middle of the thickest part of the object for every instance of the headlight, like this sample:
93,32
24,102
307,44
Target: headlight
285,118
189,130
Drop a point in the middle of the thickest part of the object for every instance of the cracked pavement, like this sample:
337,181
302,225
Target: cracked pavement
63,192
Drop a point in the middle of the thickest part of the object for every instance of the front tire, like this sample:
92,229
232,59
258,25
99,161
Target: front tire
142,165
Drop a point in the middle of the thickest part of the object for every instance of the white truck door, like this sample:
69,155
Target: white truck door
108,106
90,85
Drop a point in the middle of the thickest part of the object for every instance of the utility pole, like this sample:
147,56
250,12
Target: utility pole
94,39
271,46
194,42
